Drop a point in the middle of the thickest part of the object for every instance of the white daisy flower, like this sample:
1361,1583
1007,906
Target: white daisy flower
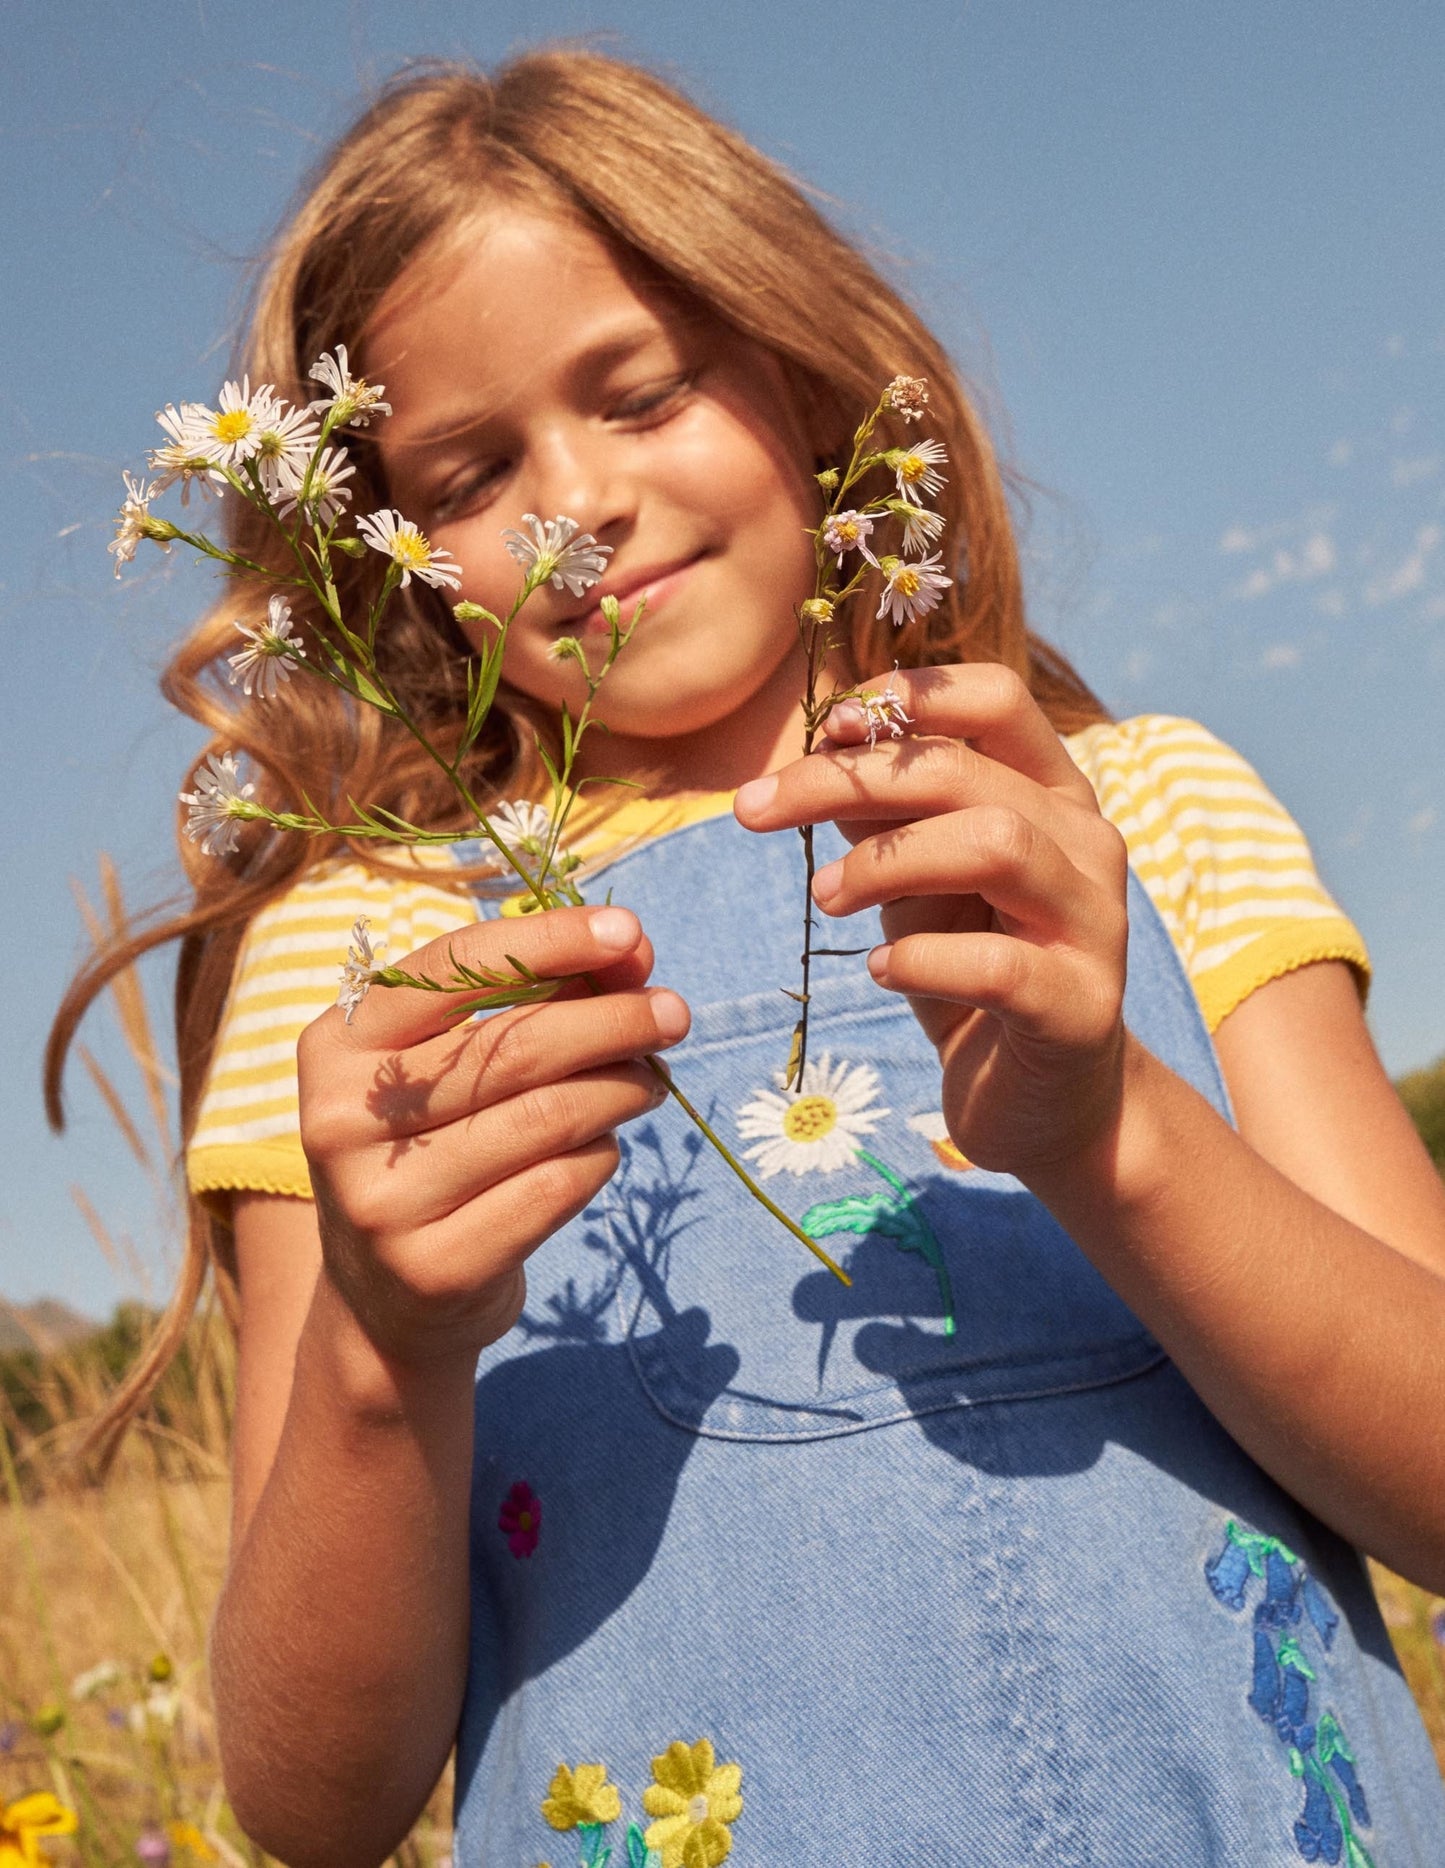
911,588
232,433
359,970
921,527
184,456
816,1128
353,400
907,396
849,531
934,1130
525,829
285,446
916,469
883,713
398,539
558,550
218,805
328,492
130,523
94,1680
265,663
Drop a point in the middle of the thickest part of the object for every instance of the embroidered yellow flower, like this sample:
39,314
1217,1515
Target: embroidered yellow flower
23,1823
694,1799
187,1836
581,1796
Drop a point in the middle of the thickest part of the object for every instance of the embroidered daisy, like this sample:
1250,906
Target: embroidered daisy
558,550
218,805
232,433
398,539
694,1800
934,1130
131,521
328,491
848,531
916,469
265,662
883,713
359,969
352,400
285,446
816,1128
907,396
911,588
184,456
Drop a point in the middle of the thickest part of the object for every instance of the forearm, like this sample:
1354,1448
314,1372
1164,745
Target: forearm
340,1643
1313,1342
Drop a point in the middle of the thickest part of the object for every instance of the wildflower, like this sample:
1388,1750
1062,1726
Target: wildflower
524,830
161,1667
133,522
161,1705
819,1126
921,527
184,456
152,1848
398,539
11,1733
23,1823
883,713
94,1680
352,400
326,491
912,588
817,611
359,969
694,1799
916,468
558,550
581,1797
520,1521
218,805
49,1718
232,433
907,396
266,663
285,446
187,1836
848,531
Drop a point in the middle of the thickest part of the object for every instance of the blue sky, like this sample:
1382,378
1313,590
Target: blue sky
1194,258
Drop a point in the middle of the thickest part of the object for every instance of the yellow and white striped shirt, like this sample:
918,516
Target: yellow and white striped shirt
1224,863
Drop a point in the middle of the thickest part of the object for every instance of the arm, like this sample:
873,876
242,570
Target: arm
441,1159
1296,1270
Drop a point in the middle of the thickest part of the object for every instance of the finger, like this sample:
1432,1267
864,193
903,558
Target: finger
554,945
481,1063
1040,993
988,851
427,1177
981,702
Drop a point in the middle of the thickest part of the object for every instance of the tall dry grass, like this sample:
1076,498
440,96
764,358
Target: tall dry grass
106,1588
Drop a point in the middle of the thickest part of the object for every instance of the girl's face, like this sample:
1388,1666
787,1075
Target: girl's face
541,376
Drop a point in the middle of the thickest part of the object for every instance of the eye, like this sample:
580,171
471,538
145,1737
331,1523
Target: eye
658,399
466,490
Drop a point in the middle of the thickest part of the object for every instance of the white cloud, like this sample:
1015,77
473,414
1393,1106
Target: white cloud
1341,454
1409,575
1332,602
1282,655
1237,539
1421,821
1314,557
1137,664
1408,472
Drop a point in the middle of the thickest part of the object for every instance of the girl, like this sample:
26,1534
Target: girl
546,1440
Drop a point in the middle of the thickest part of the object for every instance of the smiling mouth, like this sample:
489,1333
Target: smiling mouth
657,586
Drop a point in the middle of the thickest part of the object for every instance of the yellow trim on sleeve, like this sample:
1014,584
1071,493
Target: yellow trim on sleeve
247,1167
1282,950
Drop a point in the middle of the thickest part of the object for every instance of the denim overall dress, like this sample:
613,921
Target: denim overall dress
946,1567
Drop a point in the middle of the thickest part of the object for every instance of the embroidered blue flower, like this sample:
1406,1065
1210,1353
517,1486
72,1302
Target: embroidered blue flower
1318,1835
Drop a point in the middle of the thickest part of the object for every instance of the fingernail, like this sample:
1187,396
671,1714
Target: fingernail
670,1013
845,716
617,928
878,962
827,882
756,795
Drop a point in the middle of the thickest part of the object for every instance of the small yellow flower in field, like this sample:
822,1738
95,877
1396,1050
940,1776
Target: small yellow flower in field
22,1824
187,1836
160,1668
581,1796
694,1799
49,1718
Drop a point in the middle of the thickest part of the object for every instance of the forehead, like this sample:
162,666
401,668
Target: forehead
505,307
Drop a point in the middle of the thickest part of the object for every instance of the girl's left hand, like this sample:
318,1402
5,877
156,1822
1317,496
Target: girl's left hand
1003,893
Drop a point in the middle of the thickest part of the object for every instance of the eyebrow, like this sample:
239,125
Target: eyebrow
592,360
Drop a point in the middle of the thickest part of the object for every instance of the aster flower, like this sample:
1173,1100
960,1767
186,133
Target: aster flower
94,1680
132,521
883,713
232,433
184,456
265,663
352,400
911,588
916,469
817,1127
558,550
328,492
285,446
525,831
921,526
359,970
848,531
907,396
401,541
218,805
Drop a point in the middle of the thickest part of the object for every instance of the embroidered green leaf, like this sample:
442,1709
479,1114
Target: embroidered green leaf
1257,1547
639,1855
1355,1855
897,1217
1291,1654
1330,1740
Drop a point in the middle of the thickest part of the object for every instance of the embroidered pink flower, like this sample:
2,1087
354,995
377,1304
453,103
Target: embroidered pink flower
520,1519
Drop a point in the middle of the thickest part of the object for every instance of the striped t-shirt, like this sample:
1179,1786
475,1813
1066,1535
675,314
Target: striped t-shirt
1224,863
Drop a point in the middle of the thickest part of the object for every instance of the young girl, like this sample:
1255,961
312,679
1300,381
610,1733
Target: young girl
548,1440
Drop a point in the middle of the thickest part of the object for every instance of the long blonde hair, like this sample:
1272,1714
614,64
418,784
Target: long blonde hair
614,149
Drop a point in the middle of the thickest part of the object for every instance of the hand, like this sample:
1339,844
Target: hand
1003,893
444,1153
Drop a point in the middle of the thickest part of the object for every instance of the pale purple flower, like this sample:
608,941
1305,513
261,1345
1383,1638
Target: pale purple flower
218,805
130,523
848,531
265,663
327,493
231,434
921,526
184,456
285,446
558,550
883,713
916,469
359,969
911,588
401,541
353,400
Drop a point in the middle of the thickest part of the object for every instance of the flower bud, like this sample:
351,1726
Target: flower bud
817,611
469,612
353,547
49,1719
160,1668
611,612
828,479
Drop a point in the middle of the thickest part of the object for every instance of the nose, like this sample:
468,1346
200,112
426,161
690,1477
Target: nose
582,472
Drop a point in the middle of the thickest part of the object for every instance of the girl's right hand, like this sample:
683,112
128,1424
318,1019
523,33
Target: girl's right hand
443,1154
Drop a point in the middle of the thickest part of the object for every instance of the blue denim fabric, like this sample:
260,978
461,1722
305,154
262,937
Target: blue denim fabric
945,1598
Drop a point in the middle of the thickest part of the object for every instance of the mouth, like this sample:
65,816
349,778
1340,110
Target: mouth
656,583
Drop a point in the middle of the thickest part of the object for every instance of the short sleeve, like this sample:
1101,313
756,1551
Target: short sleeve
247,1135
1222,860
